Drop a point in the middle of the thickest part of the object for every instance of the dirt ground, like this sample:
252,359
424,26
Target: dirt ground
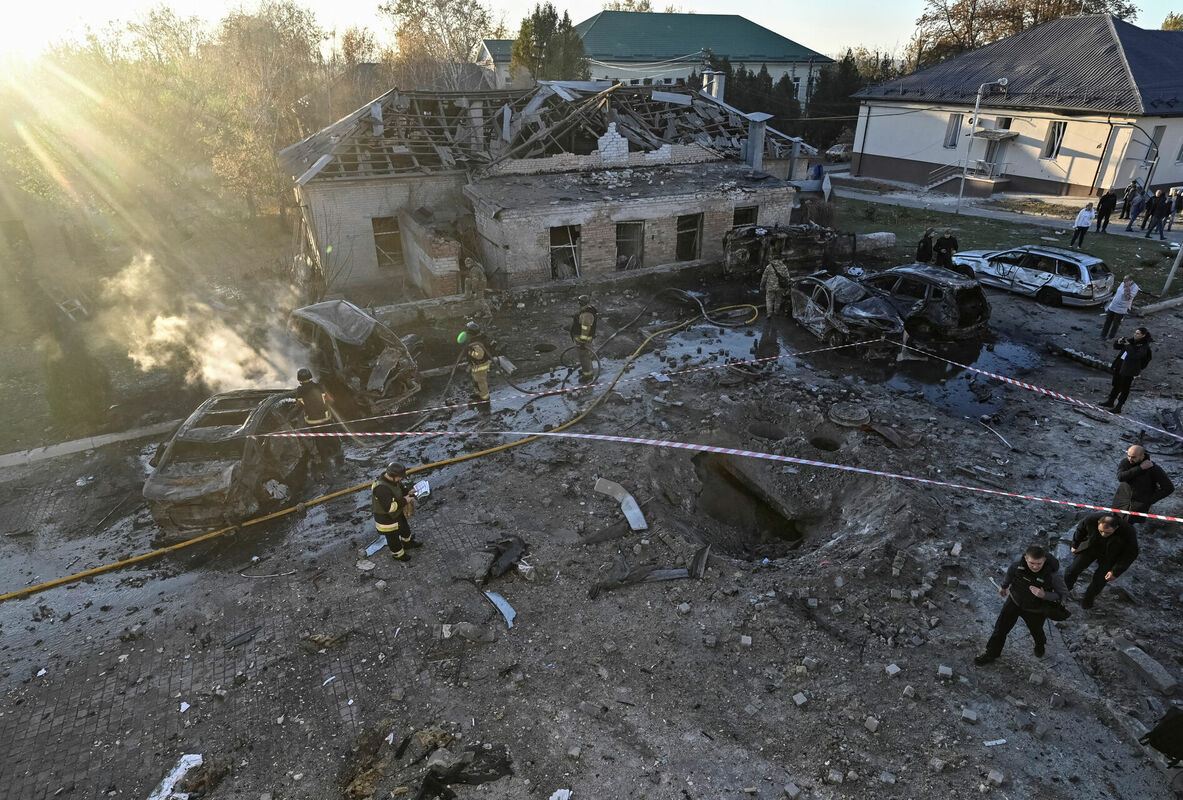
808,658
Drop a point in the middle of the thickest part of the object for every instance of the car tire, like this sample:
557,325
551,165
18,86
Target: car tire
1049,297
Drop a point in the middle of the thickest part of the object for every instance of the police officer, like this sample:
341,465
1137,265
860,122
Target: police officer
583,331
478,350
1034,582
392,502
315,404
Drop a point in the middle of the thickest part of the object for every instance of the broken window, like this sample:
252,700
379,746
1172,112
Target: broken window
953,130
630,245
564,252
689,237
388,242
1055,138
745,215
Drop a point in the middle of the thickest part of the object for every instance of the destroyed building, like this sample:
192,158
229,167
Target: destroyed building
566,180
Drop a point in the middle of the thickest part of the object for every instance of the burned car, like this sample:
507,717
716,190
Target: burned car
838,310
355,354
215,472
751,247
1049,274
925,301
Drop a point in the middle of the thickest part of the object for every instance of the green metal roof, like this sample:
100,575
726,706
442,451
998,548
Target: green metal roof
632,36
499,49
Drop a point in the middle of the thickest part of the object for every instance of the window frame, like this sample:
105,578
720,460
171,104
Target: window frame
639,240
1052,144
953,130
387,259
735,213
682,230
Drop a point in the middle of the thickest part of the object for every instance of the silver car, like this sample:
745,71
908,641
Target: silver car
1051,275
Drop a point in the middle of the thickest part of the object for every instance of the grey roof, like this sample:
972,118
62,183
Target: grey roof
1083,63
500,49
633,36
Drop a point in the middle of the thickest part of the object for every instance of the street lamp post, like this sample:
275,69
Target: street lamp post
973,126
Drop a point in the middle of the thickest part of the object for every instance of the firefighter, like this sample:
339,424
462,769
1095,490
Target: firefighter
475,280
392,502
774,282
479,350
315,405
583,331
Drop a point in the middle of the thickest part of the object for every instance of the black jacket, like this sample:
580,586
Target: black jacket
1019,580
924,250
1115,552
1137,356
1107,203
1146,485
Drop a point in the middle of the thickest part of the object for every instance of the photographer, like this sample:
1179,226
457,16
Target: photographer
1134,356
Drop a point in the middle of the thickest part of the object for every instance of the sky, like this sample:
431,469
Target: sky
827,26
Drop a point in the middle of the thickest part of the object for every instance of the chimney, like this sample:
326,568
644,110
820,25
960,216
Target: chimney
757,124
713,82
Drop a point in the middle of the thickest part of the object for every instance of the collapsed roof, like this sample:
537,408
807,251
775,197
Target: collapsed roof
417,133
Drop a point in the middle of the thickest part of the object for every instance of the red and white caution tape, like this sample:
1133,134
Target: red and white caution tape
703,448
1032,387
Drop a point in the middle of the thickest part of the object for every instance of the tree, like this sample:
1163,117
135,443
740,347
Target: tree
436,40
831,108
1173,22
948,28
548,47
629,5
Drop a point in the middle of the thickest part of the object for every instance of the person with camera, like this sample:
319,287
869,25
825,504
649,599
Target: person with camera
1034,590
1135,355
391,502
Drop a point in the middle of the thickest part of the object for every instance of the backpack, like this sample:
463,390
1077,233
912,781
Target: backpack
1167,736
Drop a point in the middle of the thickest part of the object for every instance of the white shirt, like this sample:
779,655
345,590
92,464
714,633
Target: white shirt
1123,298
1085,218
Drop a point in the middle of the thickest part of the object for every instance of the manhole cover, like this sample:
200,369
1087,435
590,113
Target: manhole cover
852,415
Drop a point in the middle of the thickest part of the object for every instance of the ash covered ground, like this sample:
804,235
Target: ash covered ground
299,671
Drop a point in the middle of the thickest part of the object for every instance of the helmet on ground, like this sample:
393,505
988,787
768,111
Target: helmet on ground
396,470
303,374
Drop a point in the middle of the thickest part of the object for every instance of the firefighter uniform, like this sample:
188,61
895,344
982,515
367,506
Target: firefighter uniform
774,282
479,352
583,331
391,503
314,404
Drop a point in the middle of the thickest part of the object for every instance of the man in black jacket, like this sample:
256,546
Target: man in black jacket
1107,540
1141,482
1035,583
1105,207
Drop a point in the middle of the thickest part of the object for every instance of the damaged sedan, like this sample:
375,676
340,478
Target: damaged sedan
358,357
214,471
1051,275
926,302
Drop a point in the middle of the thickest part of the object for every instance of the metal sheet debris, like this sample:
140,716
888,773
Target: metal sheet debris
628,505
164,789
504,607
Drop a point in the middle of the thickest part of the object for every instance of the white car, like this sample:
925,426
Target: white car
1051,275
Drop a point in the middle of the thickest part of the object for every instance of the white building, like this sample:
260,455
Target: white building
1090,102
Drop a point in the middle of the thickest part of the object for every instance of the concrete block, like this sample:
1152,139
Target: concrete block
834,776
745,641
969,715
1036,679
886,777
1057,700
809,662
683,608
1150,670
792,791
871,724
909,691
800,699
952,582
897,594
609,646
944,672
995,778
937,765
812,602
709,641
893,669
955,550
574,752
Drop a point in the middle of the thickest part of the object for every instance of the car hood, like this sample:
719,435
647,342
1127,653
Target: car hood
873,310
180,482
340,319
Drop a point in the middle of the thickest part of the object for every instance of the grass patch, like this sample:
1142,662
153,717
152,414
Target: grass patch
1147,261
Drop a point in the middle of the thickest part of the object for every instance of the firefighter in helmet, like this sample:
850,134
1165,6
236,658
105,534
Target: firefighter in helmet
479,352
583,331
315,406
392,502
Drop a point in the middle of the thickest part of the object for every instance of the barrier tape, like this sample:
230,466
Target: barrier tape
578,387
1032,387
703,448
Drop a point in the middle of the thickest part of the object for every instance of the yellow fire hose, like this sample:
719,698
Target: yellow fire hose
301,507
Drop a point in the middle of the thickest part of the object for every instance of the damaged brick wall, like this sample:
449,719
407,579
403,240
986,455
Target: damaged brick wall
432,260
610,155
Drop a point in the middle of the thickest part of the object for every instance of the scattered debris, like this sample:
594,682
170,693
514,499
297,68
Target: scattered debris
506,552
164,790
243,637
628,505
504,607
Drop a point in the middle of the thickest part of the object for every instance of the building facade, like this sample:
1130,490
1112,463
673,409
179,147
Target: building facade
1063,124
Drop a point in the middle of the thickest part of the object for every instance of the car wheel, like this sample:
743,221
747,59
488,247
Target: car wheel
1049,297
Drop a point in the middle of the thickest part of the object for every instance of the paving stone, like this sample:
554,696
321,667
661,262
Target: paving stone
871,724
937,765
574,752
709,641
886,777
955,550
839,582
812,602
995,778
897,594
609,646
892,670
834,776
1151,671
745,641
969,715
800,699
792,790
1036,679
944,672
909,691
593,709
1057,700
809,662
683,608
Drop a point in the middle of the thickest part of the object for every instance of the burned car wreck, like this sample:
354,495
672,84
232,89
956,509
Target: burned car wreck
214,471
357,357
751,247
924,301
